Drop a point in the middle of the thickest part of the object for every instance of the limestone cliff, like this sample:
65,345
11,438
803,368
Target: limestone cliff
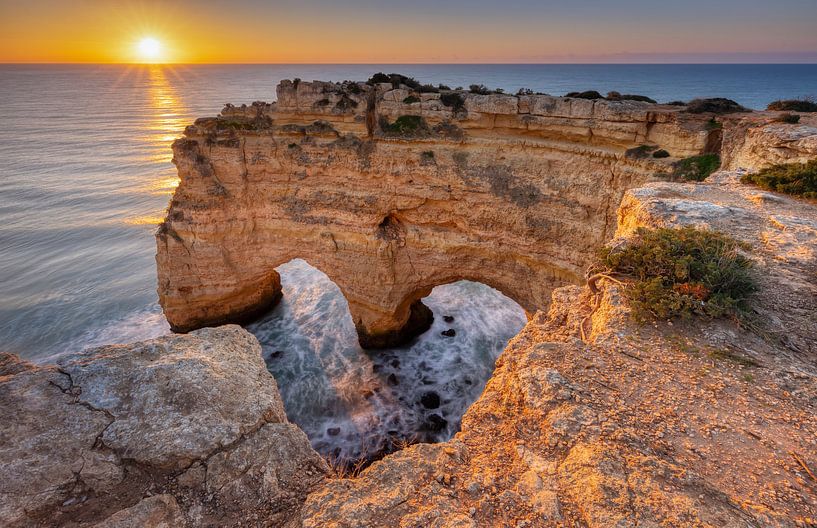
593,420
392,192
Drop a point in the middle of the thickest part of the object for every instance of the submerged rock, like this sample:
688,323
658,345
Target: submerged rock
430,400
435,423
449,333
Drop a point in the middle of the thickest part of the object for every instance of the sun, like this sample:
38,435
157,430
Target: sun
149,49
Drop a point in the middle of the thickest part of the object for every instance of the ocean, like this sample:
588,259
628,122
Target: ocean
86,174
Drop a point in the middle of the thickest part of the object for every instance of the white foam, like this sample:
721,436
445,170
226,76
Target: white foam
330,385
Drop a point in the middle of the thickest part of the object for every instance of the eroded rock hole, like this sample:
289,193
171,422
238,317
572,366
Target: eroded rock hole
359,405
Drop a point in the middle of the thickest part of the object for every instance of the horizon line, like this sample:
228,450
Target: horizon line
561,63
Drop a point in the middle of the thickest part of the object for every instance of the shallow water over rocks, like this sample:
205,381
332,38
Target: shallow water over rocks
359,404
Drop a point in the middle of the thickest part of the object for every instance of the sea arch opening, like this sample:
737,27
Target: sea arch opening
357,405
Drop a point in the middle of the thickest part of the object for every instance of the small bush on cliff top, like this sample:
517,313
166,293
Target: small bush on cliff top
793,105
695,168
590,94
453,100
396,79
411,99
791,119
715,105
378,78
616,96
681,272
799,179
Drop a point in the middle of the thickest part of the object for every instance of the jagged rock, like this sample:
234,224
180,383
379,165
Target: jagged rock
103,429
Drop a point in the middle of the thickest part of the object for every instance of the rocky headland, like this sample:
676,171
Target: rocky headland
590,418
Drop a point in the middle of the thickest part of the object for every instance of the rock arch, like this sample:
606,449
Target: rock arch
513,192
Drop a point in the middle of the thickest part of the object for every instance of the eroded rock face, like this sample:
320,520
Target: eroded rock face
591,419
757,142
391,195
174,431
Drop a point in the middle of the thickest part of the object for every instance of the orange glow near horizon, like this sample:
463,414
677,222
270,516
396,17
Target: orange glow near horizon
325,31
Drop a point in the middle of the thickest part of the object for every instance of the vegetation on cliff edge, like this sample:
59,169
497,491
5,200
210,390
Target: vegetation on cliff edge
679,272
715,105
405,125
793,105
798,179
695,168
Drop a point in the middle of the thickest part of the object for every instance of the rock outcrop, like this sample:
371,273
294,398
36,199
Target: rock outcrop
392,192
758,141
178,431
593,420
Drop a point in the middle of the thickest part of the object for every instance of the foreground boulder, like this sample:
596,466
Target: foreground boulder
177,431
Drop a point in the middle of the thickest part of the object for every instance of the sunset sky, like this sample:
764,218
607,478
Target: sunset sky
416,31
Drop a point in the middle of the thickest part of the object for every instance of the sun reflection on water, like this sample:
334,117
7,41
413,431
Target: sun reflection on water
165,120
169,115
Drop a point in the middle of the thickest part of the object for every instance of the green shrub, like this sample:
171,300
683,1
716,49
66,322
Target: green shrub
791,119
411,99
676,103
378,78
695,168
616,96
661,153
480,89
406,125
442,86
714,124
590,94
681,272
793,105
715,105
428,88
453,100
352,87
799,179
397,79
639,152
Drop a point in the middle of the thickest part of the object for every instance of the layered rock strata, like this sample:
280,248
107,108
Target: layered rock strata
179,431
392,192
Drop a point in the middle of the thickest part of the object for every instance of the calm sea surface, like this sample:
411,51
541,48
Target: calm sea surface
85,176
